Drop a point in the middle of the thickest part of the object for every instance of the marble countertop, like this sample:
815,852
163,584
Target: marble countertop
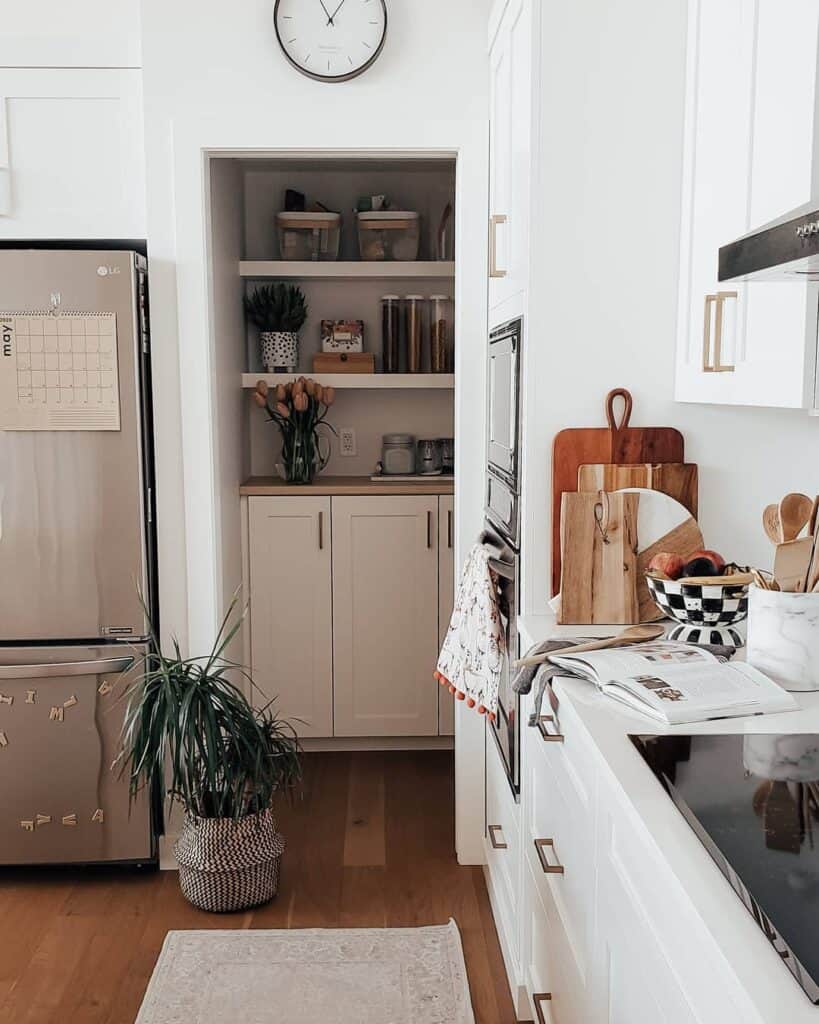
772,992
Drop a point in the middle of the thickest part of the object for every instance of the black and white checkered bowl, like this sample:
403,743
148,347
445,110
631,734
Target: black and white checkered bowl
698,604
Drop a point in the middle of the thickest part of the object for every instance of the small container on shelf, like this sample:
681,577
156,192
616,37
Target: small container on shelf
388,234
390,333
413,330
441,350
308,236
397,454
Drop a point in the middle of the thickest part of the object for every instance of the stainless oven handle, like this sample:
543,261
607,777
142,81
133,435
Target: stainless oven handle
66,668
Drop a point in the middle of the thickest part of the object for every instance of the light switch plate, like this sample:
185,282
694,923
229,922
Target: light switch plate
346,441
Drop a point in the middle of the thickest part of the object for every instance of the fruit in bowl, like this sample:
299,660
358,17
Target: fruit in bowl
672,566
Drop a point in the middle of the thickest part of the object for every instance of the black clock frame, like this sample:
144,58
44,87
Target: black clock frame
331,78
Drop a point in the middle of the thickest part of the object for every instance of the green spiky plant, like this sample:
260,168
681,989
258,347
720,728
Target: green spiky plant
190,732
277,307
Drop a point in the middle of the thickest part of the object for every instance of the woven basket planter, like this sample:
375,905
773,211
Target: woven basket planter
229,864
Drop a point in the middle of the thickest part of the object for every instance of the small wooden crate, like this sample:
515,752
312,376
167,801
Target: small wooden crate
344,362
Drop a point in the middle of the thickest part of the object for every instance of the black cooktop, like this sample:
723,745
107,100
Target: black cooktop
753,802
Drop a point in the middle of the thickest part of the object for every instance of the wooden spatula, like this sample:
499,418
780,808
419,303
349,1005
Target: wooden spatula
632,635
794,514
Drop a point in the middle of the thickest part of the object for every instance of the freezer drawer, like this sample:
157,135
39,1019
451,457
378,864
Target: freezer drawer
60,719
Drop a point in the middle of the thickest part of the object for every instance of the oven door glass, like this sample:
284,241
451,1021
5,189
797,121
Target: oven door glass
504,347
505,725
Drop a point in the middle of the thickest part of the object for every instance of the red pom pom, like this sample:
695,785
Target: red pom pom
460,696
470,702
492,716
481,709
451,688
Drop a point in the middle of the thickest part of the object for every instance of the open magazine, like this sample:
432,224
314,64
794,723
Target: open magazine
677,682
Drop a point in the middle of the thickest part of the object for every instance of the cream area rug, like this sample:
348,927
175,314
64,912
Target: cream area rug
310,976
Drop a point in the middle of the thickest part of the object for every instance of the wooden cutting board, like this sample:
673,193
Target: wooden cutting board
679,480
616,443
608,541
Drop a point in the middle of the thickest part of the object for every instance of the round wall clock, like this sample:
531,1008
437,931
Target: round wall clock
331,40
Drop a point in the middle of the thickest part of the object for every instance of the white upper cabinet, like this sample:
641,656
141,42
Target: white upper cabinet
71,154
81,33
749,158
510,115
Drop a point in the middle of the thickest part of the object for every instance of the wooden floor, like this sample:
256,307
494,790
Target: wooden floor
370,844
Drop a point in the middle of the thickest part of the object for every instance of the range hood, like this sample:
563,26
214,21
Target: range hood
786,249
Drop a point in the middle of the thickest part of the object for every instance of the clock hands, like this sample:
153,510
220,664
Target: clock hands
329,16
335,12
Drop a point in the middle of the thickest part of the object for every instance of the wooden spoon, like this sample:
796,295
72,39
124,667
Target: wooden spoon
795,512
772,524
632,635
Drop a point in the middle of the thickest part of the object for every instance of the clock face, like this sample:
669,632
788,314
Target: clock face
331,40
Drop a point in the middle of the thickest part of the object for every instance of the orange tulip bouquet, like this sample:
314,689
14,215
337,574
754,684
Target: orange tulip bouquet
299,409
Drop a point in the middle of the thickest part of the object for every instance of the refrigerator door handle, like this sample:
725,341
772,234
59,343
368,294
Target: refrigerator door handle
66,668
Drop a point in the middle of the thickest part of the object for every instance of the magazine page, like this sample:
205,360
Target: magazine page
638,659
676,694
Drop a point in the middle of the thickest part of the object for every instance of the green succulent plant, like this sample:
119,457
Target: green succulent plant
276,307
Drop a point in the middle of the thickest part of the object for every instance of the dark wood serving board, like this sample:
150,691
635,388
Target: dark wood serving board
616,443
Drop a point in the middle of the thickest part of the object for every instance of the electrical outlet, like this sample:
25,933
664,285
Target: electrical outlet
346,441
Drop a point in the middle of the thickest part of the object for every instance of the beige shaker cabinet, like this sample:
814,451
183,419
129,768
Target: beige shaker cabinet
385,615
291,615
446,599
350,597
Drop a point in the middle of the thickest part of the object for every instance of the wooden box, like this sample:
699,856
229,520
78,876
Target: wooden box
344,362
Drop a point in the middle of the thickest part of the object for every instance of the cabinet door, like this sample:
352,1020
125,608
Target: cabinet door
385,615
748,159
71,154
446,599
291,650
510,111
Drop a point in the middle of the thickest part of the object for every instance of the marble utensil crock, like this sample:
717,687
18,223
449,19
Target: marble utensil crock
783,637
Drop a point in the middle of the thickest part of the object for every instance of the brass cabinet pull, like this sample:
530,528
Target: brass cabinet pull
449,528
548,869
537,999
494,220
548,737
718,302
321,530
492,829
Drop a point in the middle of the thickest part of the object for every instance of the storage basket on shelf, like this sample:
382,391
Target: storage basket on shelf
388,234
308,236
229,864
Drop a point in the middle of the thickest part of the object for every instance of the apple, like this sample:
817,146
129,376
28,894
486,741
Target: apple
668,564
712,556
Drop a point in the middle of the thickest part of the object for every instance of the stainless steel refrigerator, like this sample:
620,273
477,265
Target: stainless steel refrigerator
76,549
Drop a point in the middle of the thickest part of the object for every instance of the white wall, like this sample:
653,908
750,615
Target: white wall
215,82
607,237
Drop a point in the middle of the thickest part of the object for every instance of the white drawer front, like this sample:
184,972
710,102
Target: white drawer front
556,990
559,840
503,845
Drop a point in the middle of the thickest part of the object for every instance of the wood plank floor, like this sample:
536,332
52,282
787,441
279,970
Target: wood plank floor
370,844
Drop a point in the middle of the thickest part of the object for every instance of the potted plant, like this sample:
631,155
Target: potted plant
279,311
191,733
299,409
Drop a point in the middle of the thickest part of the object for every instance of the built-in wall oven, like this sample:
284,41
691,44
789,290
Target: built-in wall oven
501,533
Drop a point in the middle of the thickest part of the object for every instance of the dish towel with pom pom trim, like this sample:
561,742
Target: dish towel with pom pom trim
474,649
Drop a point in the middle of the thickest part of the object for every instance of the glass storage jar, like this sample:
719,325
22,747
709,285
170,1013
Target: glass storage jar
397,454
441,351
388,235
390,333
308,236
413,330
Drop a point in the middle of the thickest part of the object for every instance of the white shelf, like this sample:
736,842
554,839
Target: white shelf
406,381
340,269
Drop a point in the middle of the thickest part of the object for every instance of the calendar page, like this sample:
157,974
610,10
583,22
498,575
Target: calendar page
58,371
